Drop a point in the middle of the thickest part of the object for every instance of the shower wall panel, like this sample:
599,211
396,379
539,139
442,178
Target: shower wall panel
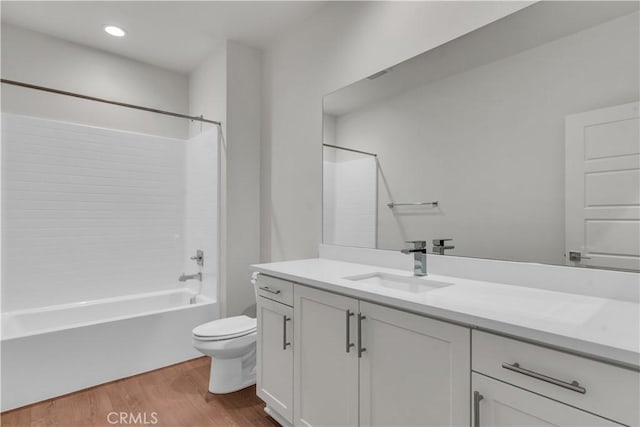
88,212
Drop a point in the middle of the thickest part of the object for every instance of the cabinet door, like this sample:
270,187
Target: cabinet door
275,356
505,405
325,360
415,371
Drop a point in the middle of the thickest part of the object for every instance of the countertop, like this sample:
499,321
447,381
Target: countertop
597,327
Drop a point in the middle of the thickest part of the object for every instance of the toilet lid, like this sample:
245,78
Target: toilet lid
230,327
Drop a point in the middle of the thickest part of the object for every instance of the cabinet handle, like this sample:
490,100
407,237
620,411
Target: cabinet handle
285,344
271,291
360,348
349,343
477,397
573,385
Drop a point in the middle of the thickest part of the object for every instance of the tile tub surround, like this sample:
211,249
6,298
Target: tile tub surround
349,209
91,213
88,212
594,326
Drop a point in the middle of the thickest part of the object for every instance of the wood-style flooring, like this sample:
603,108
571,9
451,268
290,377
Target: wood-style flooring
177,394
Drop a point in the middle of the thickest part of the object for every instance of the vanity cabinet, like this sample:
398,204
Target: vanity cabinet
274,382
523,383
358,363
326,359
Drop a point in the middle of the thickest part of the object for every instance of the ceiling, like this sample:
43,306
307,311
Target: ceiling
535,25
176,35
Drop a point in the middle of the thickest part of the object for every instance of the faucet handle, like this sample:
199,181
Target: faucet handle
199,257
440,242
417,244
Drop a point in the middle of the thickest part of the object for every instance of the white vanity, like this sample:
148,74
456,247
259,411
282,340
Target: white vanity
338,351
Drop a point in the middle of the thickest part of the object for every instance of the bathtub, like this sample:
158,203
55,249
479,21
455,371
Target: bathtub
51,351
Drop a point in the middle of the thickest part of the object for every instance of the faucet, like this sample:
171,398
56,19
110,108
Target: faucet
185,277
439,246
419,252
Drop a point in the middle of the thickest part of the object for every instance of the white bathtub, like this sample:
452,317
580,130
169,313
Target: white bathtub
50,351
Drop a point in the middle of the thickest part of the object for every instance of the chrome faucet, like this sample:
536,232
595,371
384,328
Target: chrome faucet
185,277
419,252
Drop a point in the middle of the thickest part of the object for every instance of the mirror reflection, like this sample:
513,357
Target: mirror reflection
518,141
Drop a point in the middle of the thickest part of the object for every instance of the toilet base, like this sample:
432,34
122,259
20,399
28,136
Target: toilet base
229,375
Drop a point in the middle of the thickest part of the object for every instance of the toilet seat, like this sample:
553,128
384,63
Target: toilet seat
225,329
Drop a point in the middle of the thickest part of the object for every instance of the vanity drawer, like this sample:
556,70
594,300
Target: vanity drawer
275,289
602,389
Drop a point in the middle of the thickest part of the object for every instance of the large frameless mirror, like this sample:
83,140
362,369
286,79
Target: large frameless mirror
518,141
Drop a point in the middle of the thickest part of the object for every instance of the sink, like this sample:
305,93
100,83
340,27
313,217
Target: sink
400,283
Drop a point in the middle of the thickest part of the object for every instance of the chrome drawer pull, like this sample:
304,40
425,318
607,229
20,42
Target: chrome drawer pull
361,349
477,397
349,343
573,385
271,291
285,343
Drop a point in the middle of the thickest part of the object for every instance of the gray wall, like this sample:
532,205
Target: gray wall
241,244
43,60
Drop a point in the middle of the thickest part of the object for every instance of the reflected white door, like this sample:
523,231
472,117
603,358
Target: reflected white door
602,176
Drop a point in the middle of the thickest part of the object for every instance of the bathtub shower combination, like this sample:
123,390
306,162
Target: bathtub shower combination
98,225
50,351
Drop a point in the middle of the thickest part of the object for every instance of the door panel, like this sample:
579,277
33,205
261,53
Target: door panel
503,405
415,370
612,188
275,359
325,374
611,237
611,139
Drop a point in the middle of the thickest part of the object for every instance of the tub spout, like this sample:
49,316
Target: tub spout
185,277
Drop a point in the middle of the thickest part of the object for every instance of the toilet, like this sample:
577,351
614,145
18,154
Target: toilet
231,343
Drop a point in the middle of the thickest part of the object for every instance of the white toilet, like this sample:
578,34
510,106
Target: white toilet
231,343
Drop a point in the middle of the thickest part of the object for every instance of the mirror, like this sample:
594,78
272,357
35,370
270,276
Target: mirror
518,141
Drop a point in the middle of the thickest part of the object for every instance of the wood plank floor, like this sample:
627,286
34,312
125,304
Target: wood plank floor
177,394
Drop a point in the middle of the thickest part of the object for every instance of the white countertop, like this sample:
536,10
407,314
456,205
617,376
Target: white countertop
599,327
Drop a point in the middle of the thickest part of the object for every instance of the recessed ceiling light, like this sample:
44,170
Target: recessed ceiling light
114,31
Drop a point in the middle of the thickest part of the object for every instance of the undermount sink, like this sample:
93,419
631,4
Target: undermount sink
400,283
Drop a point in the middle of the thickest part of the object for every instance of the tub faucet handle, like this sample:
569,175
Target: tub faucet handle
199,257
